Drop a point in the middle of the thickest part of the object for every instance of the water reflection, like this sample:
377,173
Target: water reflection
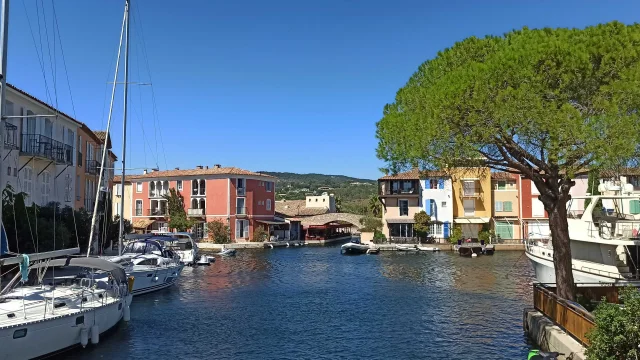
309,303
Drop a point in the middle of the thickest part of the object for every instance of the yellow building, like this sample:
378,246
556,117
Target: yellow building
472,205
506,205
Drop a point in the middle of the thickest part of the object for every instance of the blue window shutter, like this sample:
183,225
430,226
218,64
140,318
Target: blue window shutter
427,206
440,183
445,229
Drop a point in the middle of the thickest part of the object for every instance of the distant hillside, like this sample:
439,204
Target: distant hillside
294,186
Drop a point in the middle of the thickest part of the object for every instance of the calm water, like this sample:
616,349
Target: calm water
313,303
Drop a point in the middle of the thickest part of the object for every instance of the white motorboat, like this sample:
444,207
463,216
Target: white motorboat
152,265
406,248
428,248
205,260
227,252
354,247
180,243
605,245
55,305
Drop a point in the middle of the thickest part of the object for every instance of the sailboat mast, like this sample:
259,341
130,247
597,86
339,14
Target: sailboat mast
124,123
4,39
104,152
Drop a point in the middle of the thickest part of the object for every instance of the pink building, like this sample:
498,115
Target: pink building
240,198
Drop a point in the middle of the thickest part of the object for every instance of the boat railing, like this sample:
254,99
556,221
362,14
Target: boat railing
614,230
574,320
602,272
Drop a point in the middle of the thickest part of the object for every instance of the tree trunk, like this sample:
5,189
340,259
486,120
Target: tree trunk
561,251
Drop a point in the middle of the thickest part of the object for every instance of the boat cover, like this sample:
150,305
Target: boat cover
116,270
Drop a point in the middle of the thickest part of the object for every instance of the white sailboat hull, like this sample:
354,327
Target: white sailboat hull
148,280
53,333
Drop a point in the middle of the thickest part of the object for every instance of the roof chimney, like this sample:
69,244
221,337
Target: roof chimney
155,169
206,167
144,171
217,166
199,167
177,168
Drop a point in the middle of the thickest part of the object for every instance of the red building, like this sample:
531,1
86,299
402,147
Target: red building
240,198
535,220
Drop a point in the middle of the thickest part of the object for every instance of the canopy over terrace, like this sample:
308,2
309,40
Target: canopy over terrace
330,226
277,229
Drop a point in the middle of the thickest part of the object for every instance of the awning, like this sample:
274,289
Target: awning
477,220
402,220
116,270
272,222
142,223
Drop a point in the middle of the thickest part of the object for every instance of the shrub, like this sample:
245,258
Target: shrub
218,232
260,234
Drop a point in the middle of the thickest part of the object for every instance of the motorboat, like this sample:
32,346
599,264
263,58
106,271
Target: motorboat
153,265
205,260
604,239
489,249
406,248
373,251
180,243
470,250
428,248
354,248
227,252
56,304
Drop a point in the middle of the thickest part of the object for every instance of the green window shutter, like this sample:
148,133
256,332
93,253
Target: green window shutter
507,206
504,230
635,206
502,185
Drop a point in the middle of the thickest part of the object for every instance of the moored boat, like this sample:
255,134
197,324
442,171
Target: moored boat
406,247
470,250
353,248
227,252
428,248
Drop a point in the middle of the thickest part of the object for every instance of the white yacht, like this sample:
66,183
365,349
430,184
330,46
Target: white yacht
54,305
605,243
182,244
153,265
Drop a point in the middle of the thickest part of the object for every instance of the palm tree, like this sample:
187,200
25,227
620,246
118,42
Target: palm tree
338,204
375,207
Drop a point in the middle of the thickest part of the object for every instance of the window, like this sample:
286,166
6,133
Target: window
403,206
240,209
502,185
118,189
401,230
202,188
469,188
507,206
27,177
240,187
268,186
15,171
444,204
20,333
433,184
504,230
242,229
534,189
117,206
194,187
268,204
9,171
469,206
179,185
138,187
138,207
435,229
634,180
498,206
77,187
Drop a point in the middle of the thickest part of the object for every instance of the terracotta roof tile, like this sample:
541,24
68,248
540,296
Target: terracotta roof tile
620,172
502,175
195,172
414,174
293,208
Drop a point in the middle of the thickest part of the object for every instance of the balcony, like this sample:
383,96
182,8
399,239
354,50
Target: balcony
241,211
46,148
195,212
10,136
471,189
92,167
242,191
400,188
157,212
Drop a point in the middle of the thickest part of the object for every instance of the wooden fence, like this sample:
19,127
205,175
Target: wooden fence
572,319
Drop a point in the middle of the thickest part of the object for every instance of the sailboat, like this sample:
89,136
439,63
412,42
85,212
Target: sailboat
53,303
150,261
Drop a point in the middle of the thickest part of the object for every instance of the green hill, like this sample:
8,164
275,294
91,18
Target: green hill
353,192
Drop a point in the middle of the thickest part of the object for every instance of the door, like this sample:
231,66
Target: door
469,207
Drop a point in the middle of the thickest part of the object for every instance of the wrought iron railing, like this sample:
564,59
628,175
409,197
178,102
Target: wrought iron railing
195,212
47,148
157,212
92,167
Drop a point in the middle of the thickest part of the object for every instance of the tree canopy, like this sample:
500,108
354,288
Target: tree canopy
177,216
546,103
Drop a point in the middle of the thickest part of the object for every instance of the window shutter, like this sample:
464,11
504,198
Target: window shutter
445,230
498,206
440,183
507,206
246,229
238,222
635,207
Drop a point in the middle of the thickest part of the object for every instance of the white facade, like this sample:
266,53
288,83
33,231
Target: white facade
39,153
436,199
327,201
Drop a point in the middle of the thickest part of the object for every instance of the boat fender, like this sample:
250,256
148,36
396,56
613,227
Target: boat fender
127,313
474,255
95,334
130,281
84,337
271,245
287,244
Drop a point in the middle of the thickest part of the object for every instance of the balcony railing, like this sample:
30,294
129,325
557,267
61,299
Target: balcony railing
46,148
401,191
157,212
241,210
92,167
138,212
241,191
195,212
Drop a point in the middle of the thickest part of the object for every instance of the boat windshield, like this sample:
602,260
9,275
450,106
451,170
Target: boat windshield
142,247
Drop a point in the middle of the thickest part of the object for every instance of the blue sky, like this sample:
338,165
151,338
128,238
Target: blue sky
276,85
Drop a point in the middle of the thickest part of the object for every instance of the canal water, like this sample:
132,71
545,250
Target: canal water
313,303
